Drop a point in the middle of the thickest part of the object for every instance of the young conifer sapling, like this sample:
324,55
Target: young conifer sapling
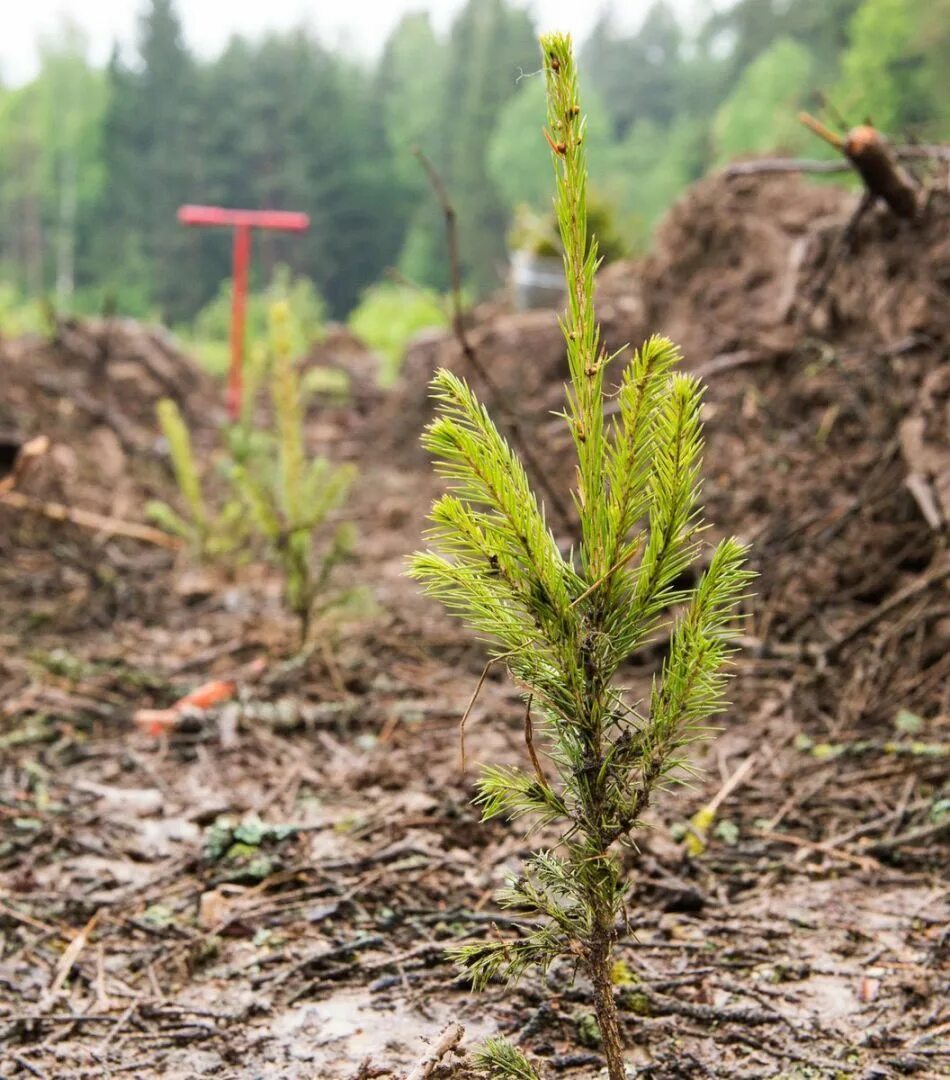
279,496
564,625
289,495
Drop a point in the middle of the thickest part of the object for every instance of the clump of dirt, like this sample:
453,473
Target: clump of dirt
91,389
725,265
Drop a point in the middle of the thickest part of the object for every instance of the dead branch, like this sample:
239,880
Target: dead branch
665,1005
529,742
922,152
939,574
448,1040
823,132
882,176
871,157
785,165
767,166
468,349
863,861
471,705
27,453
86,519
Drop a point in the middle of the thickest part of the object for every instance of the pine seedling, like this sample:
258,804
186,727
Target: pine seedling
194,526
564,626
498,1059
209,532
288,496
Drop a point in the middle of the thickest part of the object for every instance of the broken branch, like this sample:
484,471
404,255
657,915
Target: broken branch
871,157
86,519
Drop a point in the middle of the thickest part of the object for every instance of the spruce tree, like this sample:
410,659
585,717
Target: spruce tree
565,625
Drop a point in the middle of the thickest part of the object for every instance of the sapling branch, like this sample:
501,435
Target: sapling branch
565,625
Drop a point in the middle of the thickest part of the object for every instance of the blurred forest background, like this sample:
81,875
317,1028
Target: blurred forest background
94,163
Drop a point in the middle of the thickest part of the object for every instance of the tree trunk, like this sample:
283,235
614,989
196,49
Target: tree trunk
599,969
882,175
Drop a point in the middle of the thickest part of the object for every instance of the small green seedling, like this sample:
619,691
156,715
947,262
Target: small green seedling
276,496
565,624
210,533
288,495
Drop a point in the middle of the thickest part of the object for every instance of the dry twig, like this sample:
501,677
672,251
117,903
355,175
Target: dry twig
87,519
448,1040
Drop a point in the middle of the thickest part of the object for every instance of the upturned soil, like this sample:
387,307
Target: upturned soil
267,888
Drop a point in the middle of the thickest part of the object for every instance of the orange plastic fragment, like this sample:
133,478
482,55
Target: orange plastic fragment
157,722
207,695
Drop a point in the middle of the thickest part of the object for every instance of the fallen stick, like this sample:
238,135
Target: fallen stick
785,165
67,962
862,861
766,166
732,783
701,822
921,832
448,1040
27,453
920,585
86,519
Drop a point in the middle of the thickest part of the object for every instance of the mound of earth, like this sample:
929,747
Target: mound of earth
91,389
825,418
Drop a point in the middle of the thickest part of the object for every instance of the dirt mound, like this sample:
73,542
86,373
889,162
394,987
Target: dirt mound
726,261
823,343
91,389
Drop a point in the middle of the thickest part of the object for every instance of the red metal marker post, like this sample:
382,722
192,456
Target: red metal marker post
242,221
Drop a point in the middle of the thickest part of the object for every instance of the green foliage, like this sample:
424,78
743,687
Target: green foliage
183,461
489,43
895,71
408,83
649,169
538,233
210,534
389,315
276,497
17,314
642,76
520,168
500,1060
194,527
51,171
247,850
564,625
761,113
746,28
94,163
288,496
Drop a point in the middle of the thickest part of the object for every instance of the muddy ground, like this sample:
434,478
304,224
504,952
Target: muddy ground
267,890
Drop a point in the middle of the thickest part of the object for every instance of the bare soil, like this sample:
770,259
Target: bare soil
158,915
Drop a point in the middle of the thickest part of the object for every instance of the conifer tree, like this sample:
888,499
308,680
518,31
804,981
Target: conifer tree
564,625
